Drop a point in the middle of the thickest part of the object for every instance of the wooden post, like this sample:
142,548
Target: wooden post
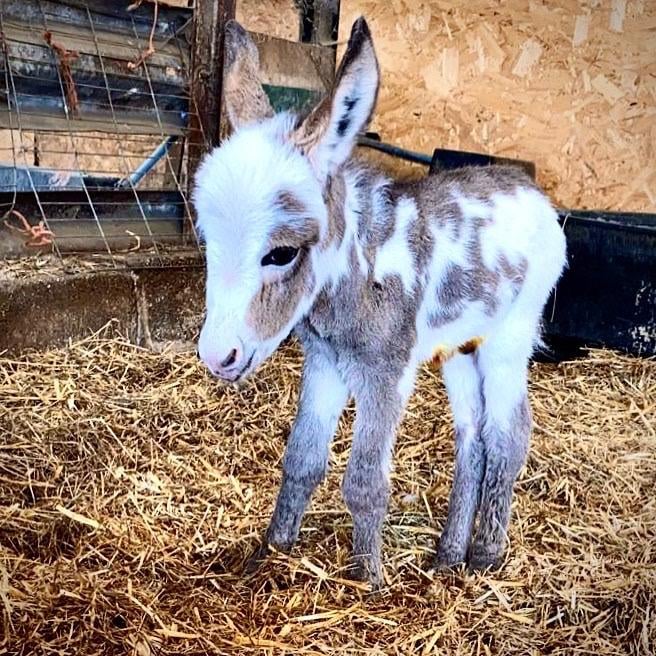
210,17
319,22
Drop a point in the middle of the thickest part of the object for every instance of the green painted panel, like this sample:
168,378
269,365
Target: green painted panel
291,98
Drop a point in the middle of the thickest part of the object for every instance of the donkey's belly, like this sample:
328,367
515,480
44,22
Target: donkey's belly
462,334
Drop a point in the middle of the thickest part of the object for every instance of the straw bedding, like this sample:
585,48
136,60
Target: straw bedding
133,488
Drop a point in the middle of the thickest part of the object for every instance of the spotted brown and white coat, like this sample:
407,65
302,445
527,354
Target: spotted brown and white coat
375,277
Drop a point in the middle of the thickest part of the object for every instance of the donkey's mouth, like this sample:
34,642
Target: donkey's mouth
235,377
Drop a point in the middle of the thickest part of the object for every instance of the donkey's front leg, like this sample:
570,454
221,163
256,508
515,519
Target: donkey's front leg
322,400
366,481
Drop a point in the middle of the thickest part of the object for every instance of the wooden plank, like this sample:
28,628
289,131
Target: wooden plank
74,220
112,96
110,16
292,64
143,123
210,17
116,49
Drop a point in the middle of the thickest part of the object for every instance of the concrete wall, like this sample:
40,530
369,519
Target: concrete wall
149,306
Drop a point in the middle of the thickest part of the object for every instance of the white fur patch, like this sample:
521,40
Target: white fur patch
325,391
463,386
449,250
395,256
406,383
336,260
519,223
472,208
236,184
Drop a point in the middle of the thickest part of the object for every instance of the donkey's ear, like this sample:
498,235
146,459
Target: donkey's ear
245,100
329,132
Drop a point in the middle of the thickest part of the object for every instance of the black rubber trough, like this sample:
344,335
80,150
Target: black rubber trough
607,295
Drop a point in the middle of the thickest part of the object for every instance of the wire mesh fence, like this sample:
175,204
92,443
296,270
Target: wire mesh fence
99,128
94,105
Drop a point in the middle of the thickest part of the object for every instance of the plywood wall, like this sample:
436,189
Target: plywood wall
275,17
568,84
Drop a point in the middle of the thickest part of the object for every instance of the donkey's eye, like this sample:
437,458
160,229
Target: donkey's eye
280,256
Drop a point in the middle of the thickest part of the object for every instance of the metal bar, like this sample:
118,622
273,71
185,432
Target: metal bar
444,158
149,163
109,16
210,17
395,151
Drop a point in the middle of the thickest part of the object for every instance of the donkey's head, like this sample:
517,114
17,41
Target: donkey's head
261,203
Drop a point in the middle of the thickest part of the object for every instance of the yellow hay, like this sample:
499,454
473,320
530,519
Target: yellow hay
134,488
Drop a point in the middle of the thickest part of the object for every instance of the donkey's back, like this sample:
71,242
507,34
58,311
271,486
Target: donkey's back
496,251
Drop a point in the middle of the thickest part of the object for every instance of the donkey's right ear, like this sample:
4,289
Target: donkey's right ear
328,134
245,99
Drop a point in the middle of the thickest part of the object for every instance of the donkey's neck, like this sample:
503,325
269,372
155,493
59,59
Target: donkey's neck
371,291
360,219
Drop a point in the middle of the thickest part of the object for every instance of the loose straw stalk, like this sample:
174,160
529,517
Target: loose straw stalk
134,488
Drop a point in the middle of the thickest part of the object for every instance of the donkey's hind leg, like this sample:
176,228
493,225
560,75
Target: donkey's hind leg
463,385
503,363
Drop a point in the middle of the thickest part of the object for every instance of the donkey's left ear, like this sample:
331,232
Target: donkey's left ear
329,132
245,99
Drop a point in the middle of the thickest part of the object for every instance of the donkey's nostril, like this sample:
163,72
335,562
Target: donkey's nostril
232,356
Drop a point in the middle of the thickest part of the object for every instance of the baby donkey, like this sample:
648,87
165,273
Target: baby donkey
375,277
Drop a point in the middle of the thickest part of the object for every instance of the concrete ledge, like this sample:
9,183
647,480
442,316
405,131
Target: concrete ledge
149,306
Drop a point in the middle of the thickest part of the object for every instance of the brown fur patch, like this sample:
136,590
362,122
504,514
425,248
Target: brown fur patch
301,234
470,345
311,129
515,274
274,305
443,353
335,199
287,202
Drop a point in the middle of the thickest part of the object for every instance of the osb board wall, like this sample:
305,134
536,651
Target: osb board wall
568,84
275,17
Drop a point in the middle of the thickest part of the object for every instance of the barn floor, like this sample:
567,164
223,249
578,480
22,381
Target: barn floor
133,488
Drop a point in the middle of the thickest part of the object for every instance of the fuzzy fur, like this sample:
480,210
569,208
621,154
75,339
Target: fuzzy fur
460,263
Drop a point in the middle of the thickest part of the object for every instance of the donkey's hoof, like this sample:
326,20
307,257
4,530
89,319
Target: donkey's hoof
482,558
448,558
256,559
363,569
